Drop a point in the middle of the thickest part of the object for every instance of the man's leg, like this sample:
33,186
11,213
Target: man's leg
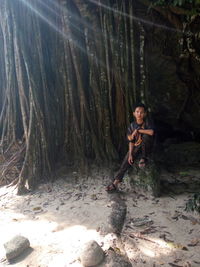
123,168
147,143
120,174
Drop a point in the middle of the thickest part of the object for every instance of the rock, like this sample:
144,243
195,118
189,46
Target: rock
186,180
16,246
92,254
183,154
147,179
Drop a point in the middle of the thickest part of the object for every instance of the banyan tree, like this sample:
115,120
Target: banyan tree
71,71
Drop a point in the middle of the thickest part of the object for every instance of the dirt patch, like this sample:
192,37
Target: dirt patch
59,218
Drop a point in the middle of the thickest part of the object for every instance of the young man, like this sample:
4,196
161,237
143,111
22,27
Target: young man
140,136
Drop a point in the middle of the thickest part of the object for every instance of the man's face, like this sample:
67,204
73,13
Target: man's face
139,113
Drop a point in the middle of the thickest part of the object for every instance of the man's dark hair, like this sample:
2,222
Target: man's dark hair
140,105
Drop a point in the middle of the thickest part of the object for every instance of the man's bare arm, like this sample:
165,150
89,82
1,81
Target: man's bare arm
146,131
130,153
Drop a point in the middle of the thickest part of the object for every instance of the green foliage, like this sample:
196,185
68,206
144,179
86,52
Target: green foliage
184,173
189,7
179,3
193,204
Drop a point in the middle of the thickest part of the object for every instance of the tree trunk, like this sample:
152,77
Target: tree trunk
70,74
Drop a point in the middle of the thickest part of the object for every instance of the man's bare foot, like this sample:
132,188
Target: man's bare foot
142,163
113,186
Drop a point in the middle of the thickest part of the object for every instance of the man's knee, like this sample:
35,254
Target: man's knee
147,139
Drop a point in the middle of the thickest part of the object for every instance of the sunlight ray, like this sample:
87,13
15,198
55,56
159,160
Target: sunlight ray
74,17
134,17
60,9
51,24
93,57
57,12
39,14
98,32
49,8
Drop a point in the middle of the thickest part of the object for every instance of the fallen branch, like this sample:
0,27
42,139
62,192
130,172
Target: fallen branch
138,235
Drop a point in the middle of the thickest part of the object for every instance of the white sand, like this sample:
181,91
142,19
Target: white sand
57,219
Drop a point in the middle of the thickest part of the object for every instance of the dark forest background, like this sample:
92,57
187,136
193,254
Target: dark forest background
71,71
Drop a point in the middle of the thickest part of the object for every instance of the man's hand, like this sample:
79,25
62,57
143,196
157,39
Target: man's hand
131,136
130,159
135,132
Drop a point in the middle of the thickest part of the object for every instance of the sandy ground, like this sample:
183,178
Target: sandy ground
59,218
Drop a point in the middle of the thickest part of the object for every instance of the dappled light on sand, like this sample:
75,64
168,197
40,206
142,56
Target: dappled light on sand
59,222
62,245
148,252
161,246
54,226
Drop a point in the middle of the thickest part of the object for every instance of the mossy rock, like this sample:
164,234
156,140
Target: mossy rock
181,180
147,179
187,153
193,204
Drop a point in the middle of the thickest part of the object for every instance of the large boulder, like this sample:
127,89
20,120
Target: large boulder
184,154
147,179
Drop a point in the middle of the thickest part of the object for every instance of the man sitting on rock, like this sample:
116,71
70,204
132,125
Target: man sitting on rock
140,136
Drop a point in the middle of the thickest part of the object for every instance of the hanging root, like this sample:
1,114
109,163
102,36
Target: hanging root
11,163
14,182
